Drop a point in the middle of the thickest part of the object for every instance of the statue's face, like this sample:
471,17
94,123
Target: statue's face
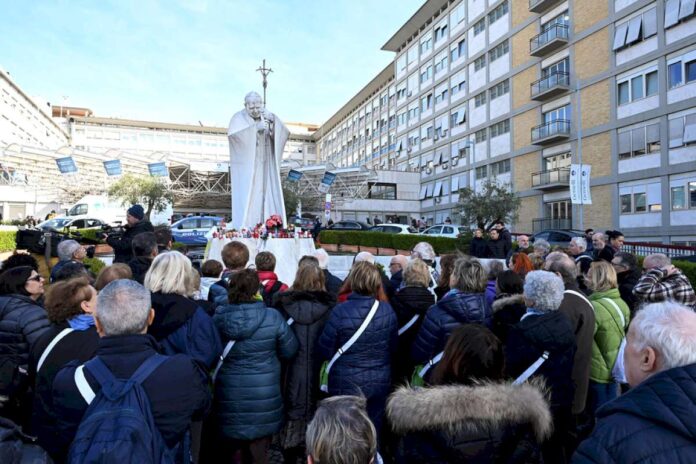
254,107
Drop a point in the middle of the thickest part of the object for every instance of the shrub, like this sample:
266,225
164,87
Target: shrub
90,234
689,270
397,241
8,240
94,264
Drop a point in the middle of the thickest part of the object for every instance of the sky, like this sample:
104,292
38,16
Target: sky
191,61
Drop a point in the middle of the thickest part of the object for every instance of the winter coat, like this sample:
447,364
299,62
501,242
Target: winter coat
79,345
22,322
653,422
309,312
408,303
580,312
607,253
497,249
122,245
491,291
609,331
333,283
139,267
655,286
366,366
627,281
248,400
17,447
507,311
177,390
478,248
206,283
269,280
506,237
182,326
445,316
440,292
395,281
529,338
491,423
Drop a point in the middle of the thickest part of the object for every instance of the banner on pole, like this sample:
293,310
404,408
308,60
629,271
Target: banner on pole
158,169
585,195
294,176
574,184
112,167
66,165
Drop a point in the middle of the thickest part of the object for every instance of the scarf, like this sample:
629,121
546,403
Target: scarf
81,322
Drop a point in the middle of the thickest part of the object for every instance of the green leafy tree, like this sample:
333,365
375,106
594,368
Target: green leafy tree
149,191
290,198
492,203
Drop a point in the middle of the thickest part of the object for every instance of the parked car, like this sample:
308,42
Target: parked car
394,229
61,223
557,237
445,230
191,230
348,225
306,223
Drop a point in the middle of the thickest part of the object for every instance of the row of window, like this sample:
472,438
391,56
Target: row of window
682,197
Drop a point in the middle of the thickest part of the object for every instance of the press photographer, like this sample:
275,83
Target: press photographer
122,243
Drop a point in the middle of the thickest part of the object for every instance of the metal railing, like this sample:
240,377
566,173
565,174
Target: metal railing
549,34
552,176
558,127
540,224
647,248
555,79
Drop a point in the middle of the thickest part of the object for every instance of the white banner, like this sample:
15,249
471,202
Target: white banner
574,184
585,195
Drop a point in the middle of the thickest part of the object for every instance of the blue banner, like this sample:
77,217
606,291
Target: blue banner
329,178
113,167
158,169
66,165
294,176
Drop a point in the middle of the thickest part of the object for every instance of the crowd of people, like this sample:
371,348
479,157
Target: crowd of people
538,355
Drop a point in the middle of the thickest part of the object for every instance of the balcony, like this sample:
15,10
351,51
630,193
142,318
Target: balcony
540,224
537,6
552,38
551,179
550,86
552,131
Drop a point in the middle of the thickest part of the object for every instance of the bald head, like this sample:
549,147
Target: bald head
563,265
656,261
397,263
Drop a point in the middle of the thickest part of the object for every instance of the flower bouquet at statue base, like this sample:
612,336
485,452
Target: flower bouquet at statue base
274,224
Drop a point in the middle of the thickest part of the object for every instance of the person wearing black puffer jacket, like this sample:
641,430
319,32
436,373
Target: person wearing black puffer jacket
478,248
22,322
508,306
366,366
464,304
410,304
306,307
136,224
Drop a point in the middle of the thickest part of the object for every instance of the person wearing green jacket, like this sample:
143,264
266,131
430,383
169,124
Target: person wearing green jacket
611,324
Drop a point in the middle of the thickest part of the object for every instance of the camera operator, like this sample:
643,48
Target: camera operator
136,224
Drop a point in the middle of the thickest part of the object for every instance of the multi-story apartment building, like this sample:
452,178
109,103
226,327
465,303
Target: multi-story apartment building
516,91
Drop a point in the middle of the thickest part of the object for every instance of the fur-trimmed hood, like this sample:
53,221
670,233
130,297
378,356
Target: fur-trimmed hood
500,303
461,408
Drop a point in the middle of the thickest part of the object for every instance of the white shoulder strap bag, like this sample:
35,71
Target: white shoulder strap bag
618,372
52,345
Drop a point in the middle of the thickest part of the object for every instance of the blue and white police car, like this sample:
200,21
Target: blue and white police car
191,231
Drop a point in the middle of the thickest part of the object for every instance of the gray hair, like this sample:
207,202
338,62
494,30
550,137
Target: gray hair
600,235
469,275
66,249
123,307
545,289
364,256
657,260
668,328
424,251
580,242
252,95
561,263
542,244
169,273
323,258
341,432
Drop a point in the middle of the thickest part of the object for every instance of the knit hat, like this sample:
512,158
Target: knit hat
137,212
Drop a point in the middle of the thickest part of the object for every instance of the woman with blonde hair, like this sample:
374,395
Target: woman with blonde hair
181,325
306,306
365,367
611,323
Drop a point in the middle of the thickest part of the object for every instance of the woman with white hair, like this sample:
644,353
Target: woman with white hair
544,332
181,325
69,251
426,252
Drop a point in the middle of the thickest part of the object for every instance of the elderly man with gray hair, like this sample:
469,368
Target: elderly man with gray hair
68,251
663,281
655,421
177,389
577,249
333,282
546,335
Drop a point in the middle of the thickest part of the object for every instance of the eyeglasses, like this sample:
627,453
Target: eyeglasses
36,278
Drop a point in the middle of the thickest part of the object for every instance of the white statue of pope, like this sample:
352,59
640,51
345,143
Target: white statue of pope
257,139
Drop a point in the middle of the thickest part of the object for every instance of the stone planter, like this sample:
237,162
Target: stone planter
349,248
103,249
330,247
403,252
369,249
386,251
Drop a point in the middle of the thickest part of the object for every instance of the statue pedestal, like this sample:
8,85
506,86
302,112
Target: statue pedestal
287,252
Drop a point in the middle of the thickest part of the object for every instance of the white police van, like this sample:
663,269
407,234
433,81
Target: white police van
191,231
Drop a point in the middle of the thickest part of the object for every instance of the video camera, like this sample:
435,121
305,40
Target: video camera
111,231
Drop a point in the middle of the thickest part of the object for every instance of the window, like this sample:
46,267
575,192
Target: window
427,102
500,89
501,167
480,136
677,11
559,114
479,27
412,54
401,118
636,29
637,87
426,44
480,99
458,14
401,92
503,127
401,63
458,82
682,131
458,117
640,141
678,71
480,63
497,13
441,62
679,197
440,32
499,51
556,161
426,73
441,97
558,67
481,172
458,51
562,19
382,191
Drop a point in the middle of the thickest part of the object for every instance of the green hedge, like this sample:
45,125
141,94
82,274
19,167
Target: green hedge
95,265
8,240
397,241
